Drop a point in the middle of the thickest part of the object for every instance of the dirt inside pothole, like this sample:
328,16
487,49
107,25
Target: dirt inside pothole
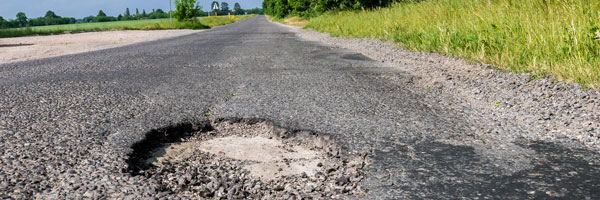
246,159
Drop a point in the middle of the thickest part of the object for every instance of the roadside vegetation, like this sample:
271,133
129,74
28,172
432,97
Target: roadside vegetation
155,24
189,15
543,37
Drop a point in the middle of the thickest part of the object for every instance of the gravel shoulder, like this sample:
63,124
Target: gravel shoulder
36,47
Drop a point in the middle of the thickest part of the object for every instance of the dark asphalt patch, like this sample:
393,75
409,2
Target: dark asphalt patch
356,56
458,171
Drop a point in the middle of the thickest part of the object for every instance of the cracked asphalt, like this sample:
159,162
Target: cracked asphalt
67,123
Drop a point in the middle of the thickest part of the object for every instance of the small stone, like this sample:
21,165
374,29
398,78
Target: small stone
309,188
342,180
278,188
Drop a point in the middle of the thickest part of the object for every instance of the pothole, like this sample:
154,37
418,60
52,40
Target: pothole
246,159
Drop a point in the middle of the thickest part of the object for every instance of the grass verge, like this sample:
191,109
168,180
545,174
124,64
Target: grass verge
558,38
150,24
292,20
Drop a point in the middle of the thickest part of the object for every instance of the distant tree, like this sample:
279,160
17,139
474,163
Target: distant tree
3,23
200,12
185,9
237,9
144,14
224,7
49,19
158,13
88,19
102,17
258,11
21,19
120,17
137,13
101,14
126,15
50,15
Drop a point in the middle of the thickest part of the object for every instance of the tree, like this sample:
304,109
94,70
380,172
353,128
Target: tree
21,19
299,7
277,8
102,17
88,19
49,19
224,7
50,15
3,23
101,14
158,13
126,15
144,14
258,11
185,9
137,12
237,9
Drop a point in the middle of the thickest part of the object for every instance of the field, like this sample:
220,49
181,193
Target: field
150,24
543,37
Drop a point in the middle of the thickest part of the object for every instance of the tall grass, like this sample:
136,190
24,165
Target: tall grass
545,37
151,24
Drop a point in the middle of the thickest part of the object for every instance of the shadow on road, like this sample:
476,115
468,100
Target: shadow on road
14,45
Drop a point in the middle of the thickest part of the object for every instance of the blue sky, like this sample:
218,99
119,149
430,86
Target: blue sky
83,8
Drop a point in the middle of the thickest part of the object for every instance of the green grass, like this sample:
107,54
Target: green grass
545,37
150,24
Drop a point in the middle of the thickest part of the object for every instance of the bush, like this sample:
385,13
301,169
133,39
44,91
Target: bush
185,10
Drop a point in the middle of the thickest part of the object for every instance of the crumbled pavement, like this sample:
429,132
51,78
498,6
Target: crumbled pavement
69,124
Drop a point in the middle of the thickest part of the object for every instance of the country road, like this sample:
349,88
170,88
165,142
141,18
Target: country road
68,123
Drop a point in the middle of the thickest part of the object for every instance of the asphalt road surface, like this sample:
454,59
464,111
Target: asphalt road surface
67,124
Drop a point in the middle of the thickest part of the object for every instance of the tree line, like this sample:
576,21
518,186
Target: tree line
186,10
237,9
51,18
22,21
127,15
282,8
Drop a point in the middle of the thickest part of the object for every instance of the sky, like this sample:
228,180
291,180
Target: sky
83,8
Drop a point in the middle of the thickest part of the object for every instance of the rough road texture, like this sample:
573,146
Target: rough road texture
68,123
